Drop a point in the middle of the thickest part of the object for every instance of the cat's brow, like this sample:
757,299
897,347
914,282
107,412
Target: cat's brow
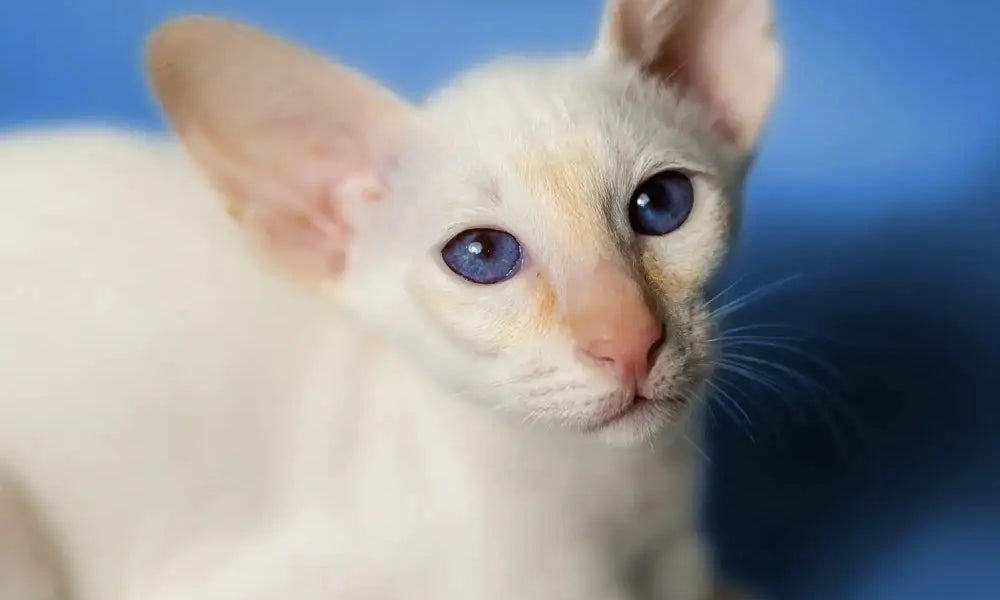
491,190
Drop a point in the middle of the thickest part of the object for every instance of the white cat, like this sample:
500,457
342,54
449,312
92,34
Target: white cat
464,369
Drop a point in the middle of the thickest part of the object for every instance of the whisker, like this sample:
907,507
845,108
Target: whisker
523,378
687,422
798,352
752,296
696,447
796,376
542,391
733,408
723,364
764,338
725,291
806,384
756,378
780,358
762,326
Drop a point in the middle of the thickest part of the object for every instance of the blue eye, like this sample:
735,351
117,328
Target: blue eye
661,204
483,255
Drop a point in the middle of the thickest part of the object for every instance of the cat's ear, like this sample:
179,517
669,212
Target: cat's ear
295,142
724,52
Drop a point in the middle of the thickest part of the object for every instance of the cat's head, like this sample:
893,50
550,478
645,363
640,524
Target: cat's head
538,235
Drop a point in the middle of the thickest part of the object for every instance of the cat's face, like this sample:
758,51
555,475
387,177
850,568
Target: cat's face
539,234
599,206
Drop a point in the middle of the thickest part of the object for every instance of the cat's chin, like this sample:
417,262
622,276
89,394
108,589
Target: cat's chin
643,420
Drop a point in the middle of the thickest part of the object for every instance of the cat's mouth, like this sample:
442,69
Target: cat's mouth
641,410
639,403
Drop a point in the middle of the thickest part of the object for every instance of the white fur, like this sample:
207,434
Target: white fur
183,421
186,425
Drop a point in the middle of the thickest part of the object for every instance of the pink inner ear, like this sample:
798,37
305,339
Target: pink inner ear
299,220
317,237
694,81
299,206
721,52
314,242
295,142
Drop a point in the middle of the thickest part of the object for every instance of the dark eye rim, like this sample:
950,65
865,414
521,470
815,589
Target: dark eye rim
516,267
688,174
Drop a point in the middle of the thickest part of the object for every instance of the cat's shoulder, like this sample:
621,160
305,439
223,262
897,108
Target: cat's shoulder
93,177
59,166
58,145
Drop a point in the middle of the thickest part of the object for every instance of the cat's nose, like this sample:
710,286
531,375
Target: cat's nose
629,354
612,322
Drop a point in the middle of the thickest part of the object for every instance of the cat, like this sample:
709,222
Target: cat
328,344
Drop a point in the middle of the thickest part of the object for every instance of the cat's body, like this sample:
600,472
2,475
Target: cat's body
374,411
302,434
301,445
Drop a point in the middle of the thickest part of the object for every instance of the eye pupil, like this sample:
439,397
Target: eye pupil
484,256
661,204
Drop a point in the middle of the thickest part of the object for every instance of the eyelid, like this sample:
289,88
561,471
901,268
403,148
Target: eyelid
692,171
692,168
475,219
453,229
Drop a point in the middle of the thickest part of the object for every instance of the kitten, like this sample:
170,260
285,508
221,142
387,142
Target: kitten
335,346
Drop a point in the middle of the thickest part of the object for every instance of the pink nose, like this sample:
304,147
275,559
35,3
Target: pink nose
628,355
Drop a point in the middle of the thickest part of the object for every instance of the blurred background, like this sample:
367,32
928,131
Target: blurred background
867,463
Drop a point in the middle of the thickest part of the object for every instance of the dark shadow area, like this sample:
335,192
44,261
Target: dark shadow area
874,413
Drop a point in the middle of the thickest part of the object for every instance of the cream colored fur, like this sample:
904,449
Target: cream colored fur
236,368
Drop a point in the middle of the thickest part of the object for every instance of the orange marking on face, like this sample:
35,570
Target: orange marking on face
664,281
520,327
568,180
547,300
600,298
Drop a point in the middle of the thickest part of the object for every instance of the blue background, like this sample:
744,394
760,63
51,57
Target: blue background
873,473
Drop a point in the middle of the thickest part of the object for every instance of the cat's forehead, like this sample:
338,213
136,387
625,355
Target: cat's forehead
573,103
570,129
562,142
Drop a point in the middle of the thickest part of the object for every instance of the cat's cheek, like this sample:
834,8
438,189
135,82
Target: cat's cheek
445,322
486,319
680,263
523,316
